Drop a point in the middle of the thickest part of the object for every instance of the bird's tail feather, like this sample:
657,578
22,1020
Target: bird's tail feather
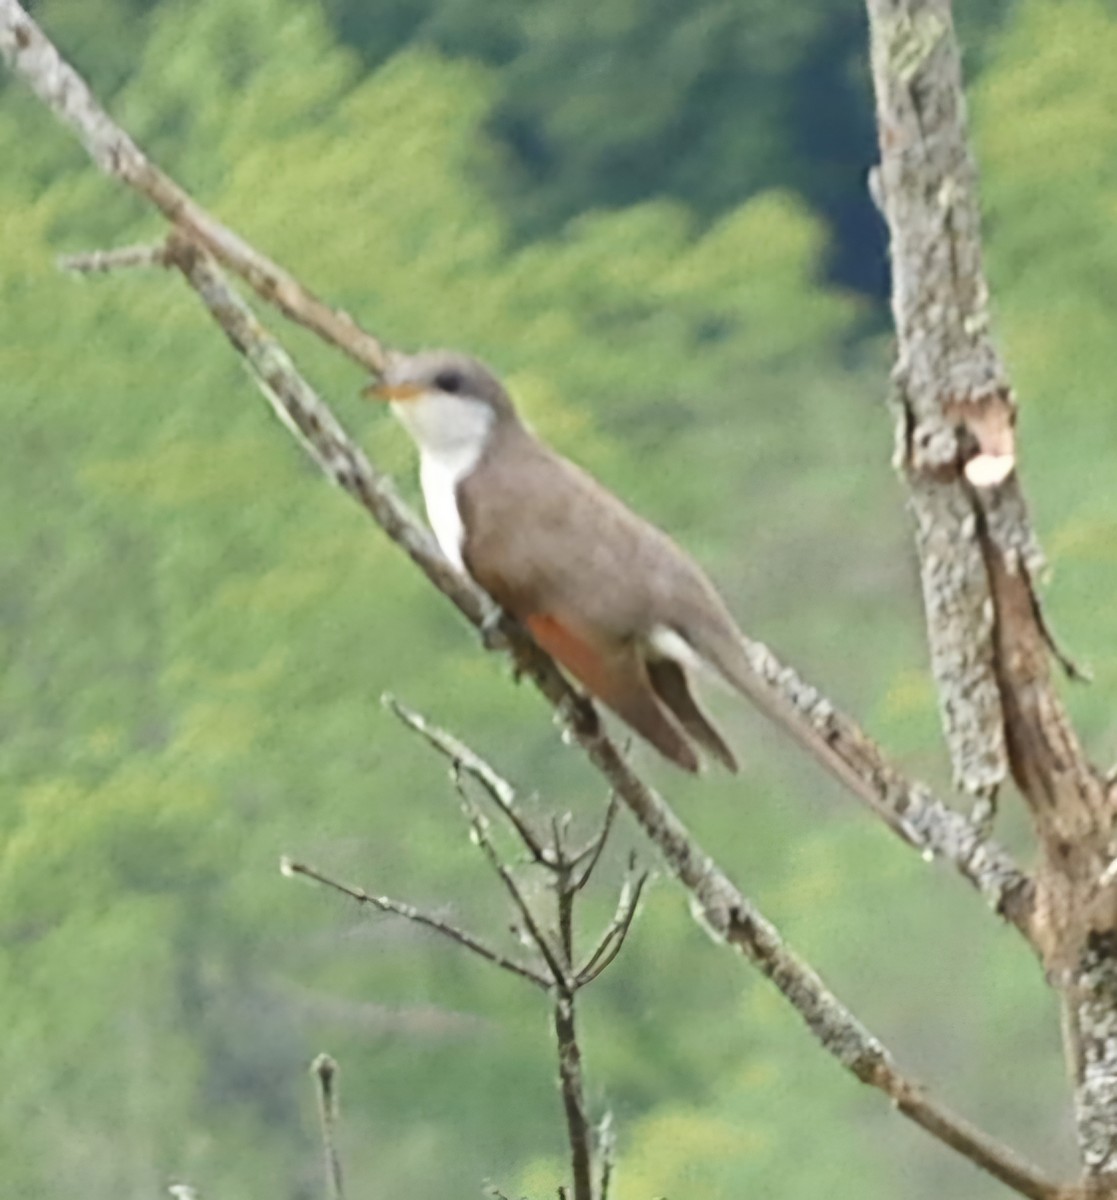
725,650
668,680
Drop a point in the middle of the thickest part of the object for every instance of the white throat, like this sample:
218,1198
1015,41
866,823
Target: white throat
451,433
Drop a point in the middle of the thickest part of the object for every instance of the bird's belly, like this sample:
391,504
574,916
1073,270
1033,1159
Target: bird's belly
439,478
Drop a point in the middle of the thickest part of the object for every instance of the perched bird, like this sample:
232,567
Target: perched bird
608,595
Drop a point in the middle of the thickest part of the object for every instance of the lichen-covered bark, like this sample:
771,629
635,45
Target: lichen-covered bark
946,365
909,808
990,650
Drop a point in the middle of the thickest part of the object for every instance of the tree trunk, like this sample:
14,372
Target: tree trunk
991,650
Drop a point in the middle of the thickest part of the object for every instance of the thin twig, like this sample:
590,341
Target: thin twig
479,828
469,761
125,258
410,913
560,828
565,896
606,1151
613,939
593,849
578,1128
325,1072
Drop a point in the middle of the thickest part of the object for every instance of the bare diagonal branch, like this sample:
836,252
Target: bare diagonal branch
732,919
319,432
415,915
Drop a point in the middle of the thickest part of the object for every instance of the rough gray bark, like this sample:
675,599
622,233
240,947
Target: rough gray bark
990,649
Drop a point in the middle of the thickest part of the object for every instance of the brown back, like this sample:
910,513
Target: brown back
544,536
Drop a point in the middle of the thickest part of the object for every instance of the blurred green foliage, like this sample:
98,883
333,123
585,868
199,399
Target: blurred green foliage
707,103
196,629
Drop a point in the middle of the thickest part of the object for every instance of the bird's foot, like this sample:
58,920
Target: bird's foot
493,636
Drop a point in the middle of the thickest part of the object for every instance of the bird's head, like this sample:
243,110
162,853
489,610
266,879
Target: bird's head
447,401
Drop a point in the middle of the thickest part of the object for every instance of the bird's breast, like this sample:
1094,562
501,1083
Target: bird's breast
440,476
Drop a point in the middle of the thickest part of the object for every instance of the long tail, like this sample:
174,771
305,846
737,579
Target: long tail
745,666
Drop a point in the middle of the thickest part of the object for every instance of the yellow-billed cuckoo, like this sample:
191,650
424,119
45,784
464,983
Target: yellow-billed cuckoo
609,596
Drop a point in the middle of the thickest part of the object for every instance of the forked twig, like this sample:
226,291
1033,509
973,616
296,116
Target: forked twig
479,828
612,940
592,850
568,871
463,758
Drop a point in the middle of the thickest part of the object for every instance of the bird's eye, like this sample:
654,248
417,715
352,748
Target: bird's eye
449,381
